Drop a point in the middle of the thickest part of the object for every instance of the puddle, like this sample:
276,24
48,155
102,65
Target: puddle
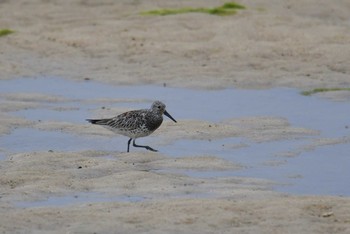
95,197
29,140
323,171
320,171
80,198
2,156
39,114
310,112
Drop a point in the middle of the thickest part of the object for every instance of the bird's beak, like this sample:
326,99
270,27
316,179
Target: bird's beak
167,114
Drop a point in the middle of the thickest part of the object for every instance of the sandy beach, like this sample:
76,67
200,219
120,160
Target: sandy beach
270,44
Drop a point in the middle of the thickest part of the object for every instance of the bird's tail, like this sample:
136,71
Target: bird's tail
98,121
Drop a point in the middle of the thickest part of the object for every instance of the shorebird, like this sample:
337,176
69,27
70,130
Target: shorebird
136,123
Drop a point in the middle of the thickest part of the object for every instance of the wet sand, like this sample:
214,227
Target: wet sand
270,44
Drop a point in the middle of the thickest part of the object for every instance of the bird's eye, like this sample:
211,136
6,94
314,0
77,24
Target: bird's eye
158,107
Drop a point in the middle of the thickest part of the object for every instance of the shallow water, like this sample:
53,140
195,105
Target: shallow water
38,140
2,156
322,171
213,105
319,171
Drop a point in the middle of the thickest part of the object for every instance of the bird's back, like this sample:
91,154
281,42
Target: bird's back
134,124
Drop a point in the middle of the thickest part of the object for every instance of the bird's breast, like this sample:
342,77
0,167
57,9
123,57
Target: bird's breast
153,123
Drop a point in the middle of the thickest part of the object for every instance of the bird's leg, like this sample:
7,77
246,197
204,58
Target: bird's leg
129,144
143,146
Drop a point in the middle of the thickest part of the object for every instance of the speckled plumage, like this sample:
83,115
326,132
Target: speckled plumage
137,123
